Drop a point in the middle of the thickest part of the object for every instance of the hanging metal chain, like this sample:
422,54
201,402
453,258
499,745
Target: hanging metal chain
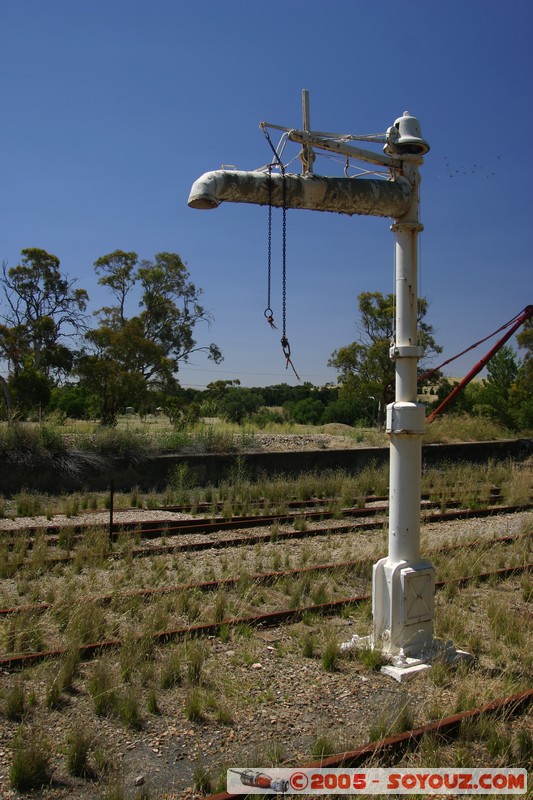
285,346
269,314
268,311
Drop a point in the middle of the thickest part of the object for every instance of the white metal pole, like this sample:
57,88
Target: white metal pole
307,155
403,584
405,417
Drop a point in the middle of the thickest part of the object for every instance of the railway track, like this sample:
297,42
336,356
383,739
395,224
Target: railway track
268,620
216,534
193,527
326,509
393,747
358,566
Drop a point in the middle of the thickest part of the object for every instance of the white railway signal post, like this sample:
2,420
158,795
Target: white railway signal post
403,583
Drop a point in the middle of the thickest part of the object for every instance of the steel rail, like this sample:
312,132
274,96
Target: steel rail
268,620
447,727
258,578
493,491
201,525
208,544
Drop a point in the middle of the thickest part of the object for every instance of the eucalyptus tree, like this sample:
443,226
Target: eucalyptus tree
128,357
366,371
42,314
522,391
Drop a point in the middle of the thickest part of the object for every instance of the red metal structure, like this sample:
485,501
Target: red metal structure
523,317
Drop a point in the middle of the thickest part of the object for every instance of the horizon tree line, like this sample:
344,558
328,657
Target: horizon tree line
57,360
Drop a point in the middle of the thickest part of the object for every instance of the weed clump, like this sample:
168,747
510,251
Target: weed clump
371,658
322,746
128,709
202,778
331,656
78,744
171,672
102,689
30,768
195,654
308,645
194,706
15,702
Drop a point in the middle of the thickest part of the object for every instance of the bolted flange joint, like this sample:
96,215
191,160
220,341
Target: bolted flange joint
405,351
406,419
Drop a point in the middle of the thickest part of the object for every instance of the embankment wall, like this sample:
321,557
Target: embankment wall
155,474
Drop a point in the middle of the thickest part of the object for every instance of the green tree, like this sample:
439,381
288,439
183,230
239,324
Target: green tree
522,391
366,371
468,401
42,312
238,403
127,358
495,397
308,411
30,389
349,411
117,272
71,400
110,384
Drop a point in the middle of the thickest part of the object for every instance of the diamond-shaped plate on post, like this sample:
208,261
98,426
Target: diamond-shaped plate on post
418,595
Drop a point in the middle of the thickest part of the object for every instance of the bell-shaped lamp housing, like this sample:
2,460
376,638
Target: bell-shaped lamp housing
405,137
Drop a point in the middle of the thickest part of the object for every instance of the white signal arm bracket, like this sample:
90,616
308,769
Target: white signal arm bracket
343,149
403,141
337,143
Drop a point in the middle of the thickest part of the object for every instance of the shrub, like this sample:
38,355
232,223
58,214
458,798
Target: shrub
330,656
171,670
29,504
30,768
14,701
194,706
115,443
102,690
77,750
465,428
128,709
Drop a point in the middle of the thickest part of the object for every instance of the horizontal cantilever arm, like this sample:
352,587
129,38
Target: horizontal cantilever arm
374,197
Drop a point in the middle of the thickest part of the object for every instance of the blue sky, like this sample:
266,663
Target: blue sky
110,111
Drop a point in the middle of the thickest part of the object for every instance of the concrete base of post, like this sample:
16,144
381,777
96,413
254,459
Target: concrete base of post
403,601
401,667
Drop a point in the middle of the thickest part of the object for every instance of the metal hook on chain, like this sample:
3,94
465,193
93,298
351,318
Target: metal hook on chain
285,346
269,315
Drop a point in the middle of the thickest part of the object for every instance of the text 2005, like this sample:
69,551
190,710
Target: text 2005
333,780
